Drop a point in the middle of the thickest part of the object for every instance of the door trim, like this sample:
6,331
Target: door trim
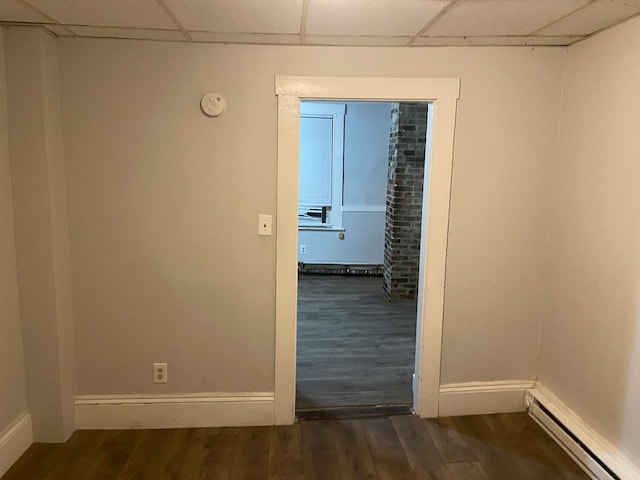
443,94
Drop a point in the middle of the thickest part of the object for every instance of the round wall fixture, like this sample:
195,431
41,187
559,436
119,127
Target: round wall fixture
213,104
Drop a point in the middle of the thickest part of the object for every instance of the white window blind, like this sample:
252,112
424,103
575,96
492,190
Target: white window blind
316,160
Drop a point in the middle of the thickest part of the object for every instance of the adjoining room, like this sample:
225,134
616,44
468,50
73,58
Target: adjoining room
362,170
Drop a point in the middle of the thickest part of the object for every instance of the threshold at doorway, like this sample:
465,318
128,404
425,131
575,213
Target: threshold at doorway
363,411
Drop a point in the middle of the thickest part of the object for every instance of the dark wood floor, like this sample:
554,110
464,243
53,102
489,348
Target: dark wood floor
501,447
354,347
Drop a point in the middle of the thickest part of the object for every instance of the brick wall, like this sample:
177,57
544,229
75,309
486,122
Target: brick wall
404,200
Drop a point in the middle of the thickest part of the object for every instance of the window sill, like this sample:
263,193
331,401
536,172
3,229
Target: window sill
312,228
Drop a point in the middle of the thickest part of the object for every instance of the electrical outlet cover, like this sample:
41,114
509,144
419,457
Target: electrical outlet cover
160,374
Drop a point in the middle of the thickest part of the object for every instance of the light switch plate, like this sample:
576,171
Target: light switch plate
264,224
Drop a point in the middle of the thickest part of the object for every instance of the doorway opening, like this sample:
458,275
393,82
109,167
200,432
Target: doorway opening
362,169
442,93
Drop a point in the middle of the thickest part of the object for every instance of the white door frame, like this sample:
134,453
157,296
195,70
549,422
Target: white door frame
442,93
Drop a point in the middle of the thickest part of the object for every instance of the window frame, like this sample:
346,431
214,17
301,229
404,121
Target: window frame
337,112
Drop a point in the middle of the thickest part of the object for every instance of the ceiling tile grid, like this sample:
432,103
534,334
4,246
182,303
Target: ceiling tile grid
133,33
327,22
59,30
504,41
356,41
251,38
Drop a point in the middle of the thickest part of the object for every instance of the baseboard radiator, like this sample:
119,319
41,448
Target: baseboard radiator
340,269
561,432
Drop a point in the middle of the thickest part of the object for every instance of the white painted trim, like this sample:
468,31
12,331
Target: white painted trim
14,441
323,108
368,88
608,453
309,228
443,94
286,259
110,412
478,398
364,208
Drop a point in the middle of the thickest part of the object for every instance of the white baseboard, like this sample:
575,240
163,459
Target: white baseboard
599,447
478,398
14,441
109,412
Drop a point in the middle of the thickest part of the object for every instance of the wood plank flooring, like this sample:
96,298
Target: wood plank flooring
354,347
501,447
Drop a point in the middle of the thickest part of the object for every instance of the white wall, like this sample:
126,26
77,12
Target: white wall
591,326
13,400
366,154
163,205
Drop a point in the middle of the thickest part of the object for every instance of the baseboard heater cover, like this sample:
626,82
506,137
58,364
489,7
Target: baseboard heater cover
340,269
569,441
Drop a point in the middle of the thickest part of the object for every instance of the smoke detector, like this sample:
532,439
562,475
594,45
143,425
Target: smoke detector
213,104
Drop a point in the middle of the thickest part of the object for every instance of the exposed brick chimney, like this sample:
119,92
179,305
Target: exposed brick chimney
404,200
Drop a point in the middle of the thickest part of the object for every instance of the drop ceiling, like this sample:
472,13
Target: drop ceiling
326,22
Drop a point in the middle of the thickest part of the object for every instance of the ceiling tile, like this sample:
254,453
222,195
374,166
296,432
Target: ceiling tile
260,38
502,41
371,17
15,11
593,17
356,40
134,33
244,16
500,17
111,13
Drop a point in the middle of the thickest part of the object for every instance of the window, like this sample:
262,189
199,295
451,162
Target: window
321,165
